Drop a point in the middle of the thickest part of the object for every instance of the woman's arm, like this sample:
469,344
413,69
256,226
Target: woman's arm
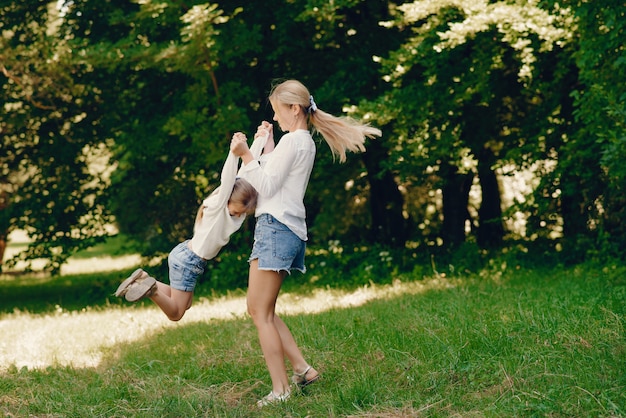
269,178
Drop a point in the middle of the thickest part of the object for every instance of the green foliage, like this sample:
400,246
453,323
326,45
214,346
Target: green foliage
173,116
597,148
468,94
339,265
121,112
53,167
208,46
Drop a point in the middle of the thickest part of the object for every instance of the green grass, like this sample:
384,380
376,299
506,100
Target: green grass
547,342
41,294
112,246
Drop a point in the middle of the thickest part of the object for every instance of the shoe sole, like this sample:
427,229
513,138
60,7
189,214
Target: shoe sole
139,289
123,287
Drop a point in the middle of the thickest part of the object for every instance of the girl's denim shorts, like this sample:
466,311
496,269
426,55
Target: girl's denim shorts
185,267
276,247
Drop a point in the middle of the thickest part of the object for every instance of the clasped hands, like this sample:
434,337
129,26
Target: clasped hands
239,142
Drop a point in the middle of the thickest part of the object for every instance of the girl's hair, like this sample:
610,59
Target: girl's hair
245,194
340,133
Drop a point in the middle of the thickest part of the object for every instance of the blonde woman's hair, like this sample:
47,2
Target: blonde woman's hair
340,133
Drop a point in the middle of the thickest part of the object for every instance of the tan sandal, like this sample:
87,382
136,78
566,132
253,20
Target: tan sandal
141,289
301,380
136,275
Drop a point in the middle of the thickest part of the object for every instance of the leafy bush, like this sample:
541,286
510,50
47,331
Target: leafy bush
346,265
335,265
229,270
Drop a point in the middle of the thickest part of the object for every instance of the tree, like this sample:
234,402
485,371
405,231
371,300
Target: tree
592,164
204,72
169,110
467,99
464,91
51,182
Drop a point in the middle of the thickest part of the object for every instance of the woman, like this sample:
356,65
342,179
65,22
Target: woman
281,233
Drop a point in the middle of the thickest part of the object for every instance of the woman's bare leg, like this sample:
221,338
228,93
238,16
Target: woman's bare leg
263,288
293,353
274,336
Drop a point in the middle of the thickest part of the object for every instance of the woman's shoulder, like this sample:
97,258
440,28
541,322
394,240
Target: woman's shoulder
297,137
297,134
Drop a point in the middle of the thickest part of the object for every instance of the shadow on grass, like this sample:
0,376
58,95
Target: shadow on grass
41,294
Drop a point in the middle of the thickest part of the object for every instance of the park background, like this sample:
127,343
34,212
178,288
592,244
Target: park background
500,168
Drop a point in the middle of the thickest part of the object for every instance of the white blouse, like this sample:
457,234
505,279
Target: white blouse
281,179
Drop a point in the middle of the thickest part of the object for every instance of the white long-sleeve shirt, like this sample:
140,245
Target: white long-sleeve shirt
283,178
213,230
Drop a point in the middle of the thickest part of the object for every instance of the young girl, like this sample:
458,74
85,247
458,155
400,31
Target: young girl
220,215
280,233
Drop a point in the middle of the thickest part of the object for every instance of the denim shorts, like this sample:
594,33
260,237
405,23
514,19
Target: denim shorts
185,267
276,247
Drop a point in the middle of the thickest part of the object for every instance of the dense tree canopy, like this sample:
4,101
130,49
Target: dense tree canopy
120,113
469,100
52,157
594,155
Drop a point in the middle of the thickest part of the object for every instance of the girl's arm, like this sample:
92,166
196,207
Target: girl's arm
267,129
263,140
219,197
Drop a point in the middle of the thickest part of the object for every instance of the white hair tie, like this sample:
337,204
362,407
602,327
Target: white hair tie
312,106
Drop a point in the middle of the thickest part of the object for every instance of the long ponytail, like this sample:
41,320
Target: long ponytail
340,133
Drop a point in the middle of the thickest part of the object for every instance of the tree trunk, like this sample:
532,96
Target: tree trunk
490,228
386,202
4,233
574,212
455,193
3,247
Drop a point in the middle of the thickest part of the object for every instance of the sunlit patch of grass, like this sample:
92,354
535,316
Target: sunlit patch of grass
42,340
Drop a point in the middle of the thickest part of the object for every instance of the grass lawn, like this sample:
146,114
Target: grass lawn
503,342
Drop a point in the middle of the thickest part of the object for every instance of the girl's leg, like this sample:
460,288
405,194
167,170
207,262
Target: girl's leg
174,303
184,269
263,288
